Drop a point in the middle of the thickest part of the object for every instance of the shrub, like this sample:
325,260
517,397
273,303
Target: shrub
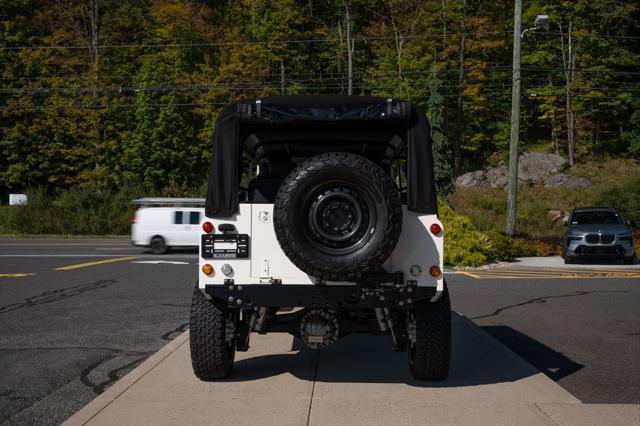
75,211
464,244
626,198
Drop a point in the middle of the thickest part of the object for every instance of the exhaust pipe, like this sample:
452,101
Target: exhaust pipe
384,319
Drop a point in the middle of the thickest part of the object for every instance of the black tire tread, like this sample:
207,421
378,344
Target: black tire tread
337,271
211,357
162,249
431,357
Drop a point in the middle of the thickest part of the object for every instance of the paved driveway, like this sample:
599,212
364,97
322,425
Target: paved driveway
77,315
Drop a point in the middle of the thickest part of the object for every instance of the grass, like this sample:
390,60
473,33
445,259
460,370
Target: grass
615,182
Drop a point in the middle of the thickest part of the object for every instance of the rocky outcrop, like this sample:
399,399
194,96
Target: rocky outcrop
498,177
472,179
533,168
562,180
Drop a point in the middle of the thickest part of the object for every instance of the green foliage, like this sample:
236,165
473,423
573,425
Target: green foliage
464,244
467,245
72,212
96,121
615,183
442,169
626,198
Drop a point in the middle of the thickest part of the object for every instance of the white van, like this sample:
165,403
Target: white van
162,223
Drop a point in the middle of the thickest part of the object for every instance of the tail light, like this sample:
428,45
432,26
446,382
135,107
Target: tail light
207,227
435,271
435,229
134,219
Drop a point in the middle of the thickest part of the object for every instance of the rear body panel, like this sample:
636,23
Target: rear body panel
267,262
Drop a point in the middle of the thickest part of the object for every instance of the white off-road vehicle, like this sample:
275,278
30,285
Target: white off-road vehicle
336,232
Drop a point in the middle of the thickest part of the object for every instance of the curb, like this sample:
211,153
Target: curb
92,409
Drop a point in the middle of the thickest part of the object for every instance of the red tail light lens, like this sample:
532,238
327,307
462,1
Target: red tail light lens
436,229
207,227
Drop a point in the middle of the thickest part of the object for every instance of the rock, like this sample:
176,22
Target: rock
535,166
562,180
559,216
498,177
475,179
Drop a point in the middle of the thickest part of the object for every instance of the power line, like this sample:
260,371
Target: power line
228,43
293,41
95,106
588,35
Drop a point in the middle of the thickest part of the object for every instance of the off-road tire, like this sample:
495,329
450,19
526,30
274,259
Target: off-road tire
430,355
211,356
291,223
158,245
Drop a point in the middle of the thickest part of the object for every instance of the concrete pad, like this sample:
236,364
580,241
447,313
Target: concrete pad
592,414
360,381
431,412
557,262
264,389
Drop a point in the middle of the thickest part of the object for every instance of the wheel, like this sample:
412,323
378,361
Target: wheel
568,260
158,245
430,353
628,260
338,216
212,353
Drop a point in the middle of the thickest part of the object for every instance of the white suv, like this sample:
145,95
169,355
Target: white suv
323,227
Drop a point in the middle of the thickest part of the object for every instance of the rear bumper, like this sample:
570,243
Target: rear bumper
326,296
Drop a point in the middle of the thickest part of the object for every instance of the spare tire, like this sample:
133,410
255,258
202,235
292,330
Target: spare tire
338,216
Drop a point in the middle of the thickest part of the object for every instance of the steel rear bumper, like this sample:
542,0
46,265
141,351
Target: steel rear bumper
320,296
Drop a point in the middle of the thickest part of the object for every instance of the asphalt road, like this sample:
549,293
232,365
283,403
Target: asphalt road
76,315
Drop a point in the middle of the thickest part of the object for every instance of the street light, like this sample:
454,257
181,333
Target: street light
539,22
514,139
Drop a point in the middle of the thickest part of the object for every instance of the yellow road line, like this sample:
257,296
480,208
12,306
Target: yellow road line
560,271
558,276
26,274
97,262
523,273
470,274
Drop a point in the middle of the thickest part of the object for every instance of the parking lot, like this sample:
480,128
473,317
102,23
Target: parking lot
78,314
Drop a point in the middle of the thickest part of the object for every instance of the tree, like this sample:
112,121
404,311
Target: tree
442,171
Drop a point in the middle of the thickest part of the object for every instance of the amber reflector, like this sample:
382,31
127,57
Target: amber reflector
207,269
435,271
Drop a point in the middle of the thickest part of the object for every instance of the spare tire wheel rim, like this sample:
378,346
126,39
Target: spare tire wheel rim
340,218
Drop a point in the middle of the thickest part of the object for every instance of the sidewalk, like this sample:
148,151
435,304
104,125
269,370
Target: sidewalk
359,380
558,262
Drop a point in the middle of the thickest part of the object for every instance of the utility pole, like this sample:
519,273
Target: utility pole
282,86
515,122
350,46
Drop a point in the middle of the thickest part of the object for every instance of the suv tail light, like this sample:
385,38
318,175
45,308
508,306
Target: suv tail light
435,229
207,227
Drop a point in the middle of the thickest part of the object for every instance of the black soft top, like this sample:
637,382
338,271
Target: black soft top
303,126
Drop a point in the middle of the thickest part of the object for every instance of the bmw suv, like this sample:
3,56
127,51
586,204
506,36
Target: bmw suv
598,232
